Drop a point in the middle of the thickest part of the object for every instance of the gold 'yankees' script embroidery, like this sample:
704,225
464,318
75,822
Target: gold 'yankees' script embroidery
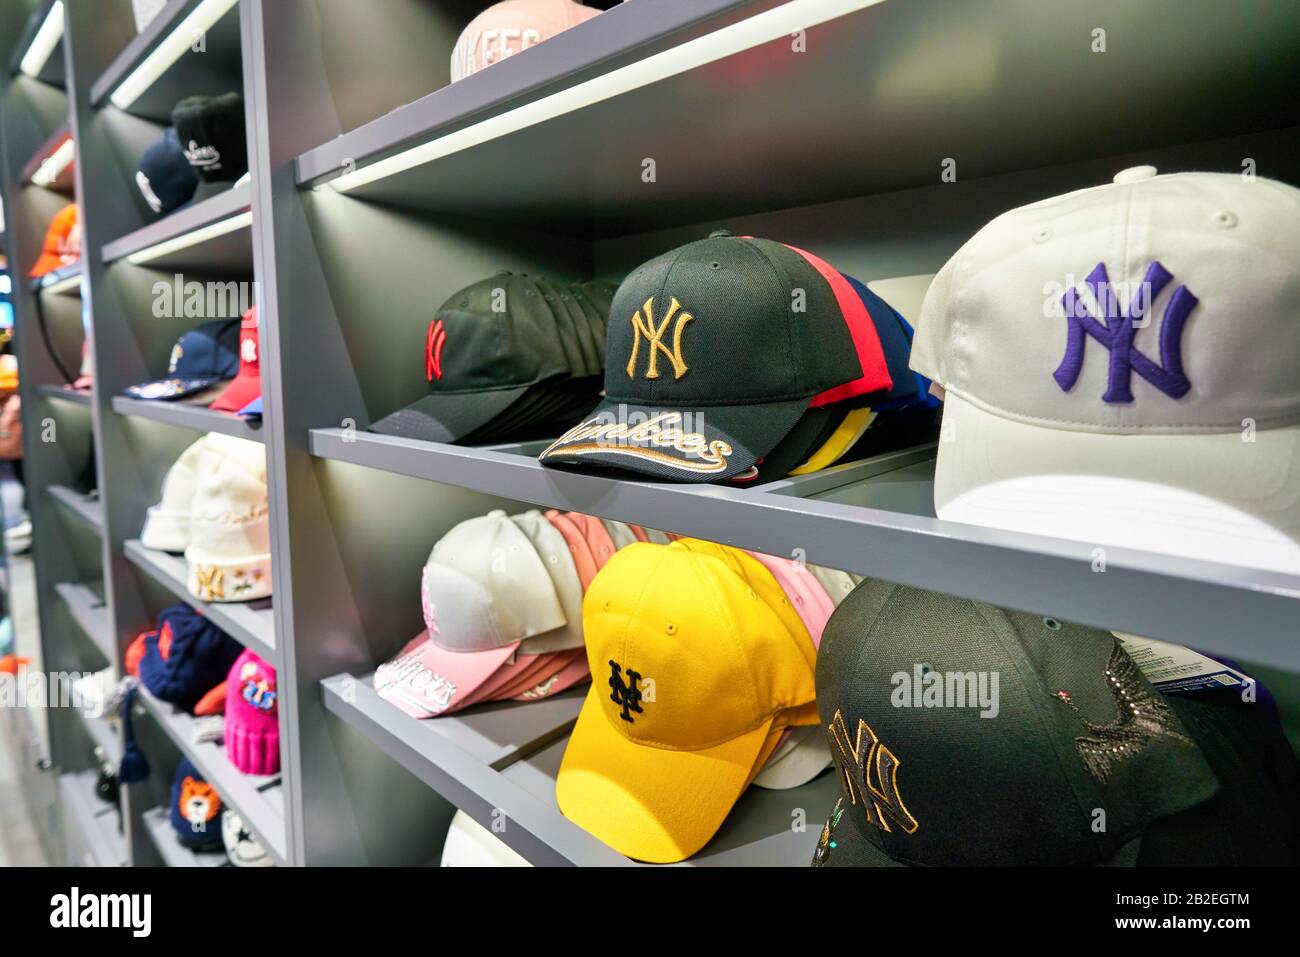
643,324
878,793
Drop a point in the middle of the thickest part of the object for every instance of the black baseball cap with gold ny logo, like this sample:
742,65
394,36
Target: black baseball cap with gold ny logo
712,355
1076,760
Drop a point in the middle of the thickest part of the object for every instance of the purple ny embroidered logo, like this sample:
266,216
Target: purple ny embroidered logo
1116,332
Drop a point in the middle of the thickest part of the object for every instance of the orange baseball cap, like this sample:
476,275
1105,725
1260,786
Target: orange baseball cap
694,677
62,242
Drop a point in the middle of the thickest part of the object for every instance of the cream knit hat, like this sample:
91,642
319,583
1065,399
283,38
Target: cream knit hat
230,538
167,524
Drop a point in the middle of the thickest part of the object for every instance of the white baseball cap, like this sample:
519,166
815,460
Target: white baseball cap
554,552
485,588
1122,366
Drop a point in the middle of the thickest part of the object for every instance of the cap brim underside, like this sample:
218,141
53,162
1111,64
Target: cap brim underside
749,431
808,758
651,804
1211,496
447,416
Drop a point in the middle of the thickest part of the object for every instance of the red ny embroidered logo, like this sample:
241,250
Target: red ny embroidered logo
433,343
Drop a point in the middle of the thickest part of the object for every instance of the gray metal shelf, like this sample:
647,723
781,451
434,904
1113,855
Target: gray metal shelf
105,735
258,800
90,612
449,755
62,183
1008,64
89,509
868,531
252,624
95,821
189,74
613,39
196,417
175,854
186,229
66,393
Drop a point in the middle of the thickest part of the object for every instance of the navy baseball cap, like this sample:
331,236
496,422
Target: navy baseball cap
204,356
1065,753
165,177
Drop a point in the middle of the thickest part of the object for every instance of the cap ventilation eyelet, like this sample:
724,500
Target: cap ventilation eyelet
1052,623
1225,219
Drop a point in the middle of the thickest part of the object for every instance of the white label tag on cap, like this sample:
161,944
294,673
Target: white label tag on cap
1176,669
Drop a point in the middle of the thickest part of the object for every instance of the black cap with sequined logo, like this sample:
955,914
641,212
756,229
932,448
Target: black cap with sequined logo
964,735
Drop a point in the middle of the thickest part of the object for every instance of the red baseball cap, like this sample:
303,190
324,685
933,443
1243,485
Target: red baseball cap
247,383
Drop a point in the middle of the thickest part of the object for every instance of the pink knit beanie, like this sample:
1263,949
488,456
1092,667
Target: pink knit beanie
252,716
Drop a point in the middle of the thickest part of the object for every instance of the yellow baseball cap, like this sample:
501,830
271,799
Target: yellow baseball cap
695,674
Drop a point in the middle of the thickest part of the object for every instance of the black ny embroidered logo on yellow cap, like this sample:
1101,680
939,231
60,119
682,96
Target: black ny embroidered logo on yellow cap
645,327
626,694
878,792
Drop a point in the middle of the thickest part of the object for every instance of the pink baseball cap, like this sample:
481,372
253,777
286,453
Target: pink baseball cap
801,753
252,716
519,668
574,673
425,681
546,667
505,29
597,536
583,559
805,592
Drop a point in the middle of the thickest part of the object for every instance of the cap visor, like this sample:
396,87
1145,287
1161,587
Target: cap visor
548,665
514,672
243,389
574,673
1214,497
808,758
849,848
48,262
425,680
170,389
447,416
650,803
694,444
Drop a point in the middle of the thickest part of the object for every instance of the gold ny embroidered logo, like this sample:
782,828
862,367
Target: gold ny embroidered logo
210,582
878,793
643,325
